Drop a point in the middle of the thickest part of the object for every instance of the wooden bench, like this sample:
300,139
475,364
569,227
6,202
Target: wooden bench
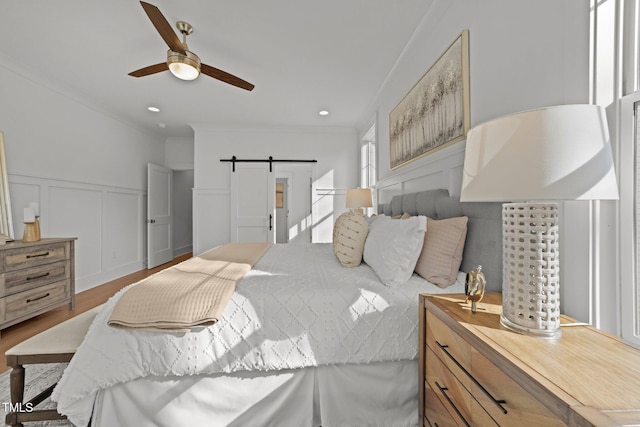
57,344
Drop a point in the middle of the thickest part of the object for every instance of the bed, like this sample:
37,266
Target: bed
303,341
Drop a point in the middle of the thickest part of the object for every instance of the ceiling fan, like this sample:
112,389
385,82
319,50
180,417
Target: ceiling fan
182,63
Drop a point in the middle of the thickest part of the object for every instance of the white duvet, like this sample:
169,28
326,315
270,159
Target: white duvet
297,308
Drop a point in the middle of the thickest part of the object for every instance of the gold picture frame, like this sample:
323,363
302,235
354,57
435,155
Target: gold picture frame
435,112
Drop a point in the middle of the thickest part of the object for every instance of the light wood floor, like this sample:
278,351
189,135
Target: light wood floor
85,300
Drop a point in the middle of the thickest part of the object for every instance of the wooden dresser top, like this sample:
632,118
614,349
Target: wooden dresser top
591,371
20,244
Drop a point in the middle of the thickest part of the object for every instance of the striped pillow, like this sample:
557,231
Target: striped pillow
441,254
349,234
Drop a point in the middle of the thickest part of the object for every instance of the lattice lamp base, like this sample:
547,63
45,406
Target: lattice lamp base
530,290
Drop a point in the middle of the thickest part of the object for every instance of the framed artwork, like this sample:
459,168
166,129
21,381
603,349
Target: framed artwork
435,112
279,196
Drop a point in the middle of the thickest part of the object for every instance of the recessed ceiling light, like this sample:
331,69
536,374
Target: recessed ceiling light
323,113
154,109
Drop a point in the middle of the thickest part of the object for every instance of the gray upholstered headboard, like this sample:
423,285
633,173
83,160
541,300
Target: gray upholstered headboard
484,230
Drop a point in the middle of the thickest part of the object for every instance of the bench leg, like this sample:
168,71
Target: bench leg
17,384
16,379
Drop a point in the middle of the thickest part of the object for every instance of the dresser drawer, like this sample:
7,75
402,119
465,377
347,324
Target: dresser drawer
31,256
17,281
493,385
454,351
435,412
453,395
27,302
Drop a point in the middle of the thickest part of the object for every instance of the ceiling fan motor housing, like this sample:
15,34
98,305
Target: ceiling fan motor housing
185,67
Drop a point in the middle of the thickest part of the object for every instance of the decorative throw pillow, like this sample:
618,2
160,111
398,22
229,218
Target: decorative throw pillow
336,227
349,234
373,217
393,247
403,216
441,254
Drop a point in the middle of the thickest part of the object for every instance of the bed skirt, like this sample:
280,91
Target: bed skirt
375,394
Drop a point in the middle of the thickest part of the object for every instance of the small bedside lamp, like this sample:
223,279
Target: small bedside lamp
553,153
31,233
358,198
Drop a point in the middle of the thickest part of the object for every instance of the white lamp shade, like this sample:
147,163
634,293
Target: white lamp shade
359,198
554,153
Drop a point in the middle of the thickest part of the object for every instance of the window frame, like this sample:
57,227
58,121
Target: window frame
369,165
629,218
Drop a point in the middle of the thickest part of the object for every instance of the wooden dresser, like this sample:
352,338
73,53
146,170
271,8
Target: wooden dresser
35,277
474,372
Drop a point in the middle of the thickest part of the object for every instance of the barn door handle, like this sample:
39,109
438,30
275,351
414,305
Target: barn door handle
270,222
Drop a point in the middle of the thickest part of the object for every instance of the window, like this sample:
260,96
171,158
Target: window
629,183
635,303
615,81
368,164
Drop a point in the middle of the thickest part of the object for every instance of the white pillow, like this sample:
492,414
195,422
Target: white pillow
392,248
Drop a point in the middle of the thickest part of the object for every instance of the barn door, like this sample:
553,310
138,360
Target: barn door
252,203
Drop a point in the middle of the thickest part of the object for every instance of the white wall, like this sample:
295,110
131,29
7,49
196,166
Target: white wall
179,153
85,168
523,55
336,151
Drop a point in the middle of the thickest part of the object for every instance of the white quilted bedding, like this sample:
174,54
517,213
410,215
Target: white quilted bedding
298,307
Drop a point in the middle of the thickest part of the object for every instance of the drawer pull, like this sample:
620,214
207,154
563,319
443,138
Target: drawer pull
443,390
497,402
38,298
38,255
38,277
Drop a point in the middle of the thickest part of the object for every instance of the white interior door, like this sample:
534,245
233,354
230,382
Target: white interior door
253,191
159,223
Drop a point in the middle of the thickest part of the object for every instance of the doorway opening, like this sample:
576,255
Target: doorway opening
282,210
293,220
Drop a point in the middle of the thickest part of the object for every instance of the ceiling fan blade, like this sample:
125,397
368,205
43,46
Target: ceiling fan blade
164,28
151,69
225,77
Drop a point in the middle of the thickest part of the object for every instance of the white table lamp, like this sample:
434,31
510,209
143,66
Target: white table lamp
358,198
533,158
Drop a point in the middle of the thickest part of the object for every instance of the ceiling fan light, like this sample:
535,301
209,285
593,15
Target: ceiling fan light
185,67
183,71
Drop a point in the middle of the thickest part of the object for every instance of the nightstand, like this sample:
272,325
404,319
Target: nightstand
474,372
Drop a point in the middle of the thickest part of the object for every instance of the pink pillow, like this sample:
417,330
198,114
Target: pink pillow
441,255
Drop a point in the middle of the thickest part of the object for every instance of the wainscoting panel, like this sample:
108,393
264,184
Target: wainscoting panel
442,169
431,180
108,222
77,213
327,205
123,236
